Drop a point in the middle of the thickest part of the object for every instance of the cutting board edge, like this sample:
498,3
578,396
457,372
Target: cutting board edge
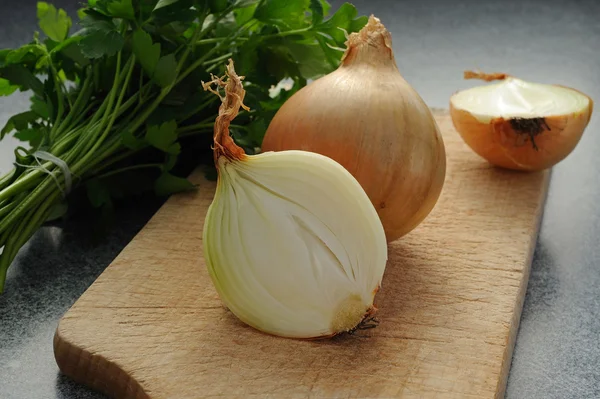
114,382
520,299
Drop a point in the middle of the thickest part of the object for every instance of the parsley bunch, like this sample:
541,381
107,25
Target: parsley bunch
116,104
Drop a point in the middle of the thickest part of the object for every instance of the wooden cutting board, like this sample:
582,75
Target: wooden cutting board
152,325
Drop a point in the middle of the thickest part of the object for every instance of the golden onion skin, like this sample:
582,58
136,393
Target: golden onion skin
508,143
365,116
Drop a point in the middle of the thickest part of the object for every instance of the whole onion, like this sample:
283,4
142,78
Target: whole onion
365,116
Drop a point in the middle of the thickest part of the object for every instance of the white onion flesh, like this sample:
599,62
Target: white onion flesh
293,244
515,98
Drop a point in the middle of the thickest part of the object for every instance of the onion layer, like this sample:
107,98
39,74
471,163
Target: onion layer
365,116
520,125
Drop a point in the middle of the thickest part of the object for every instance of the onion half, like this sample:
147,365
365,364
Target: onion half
520,125
291,241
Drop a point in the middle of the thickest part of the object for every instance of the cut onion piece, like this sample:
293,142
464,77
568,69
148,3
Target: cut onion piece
293,245
520,125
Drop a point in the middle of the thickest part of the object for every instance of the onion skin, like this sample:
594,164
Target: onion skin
507,143
369,119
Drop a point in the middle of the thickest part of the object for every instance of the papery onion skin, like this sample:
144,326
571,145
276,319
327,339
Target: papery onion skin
368,118
524,144
292,243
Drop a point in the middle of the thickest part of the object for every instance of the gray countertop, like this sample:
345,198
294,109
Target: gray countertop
557,352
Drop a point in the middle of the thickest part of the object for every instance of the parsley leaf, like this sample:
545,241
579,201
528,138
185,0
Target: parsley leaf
27,53
163,137
6,89
146,53
18,122
217,6
166,70
170,161
164,3
121,9
344,19
180,11
167,184
19,75
33,136
245,14
315,63
246,58
98,193
74,53
101,37
130,141
316,9
326,7
282,13
54,23
40,107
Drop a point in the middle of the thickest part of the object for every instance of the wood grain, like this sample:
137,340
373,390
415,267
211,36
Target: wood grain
152,325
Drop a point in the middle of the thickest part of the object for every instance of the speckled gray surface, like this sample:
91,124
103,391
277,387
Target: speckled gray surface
557,352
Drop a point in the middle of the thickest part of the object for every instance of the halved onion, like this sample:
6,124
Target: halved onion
520,125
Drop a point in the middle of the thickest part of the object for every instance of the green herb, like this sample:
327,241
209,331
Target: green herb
120,94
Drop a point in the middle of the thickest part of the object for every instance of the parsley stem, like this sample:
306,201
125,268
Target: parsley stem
3,240
166,90
126,105
105,110
75,109
113,160
40,193
197,34
6,179
65,141
111,148
216,40
65,43
8,245
141,85
22,233
226,41
23,183
201,107
131,64
100,112
218,59
287,33
195,127
7,208
82,114
59,96
128,168
6,258
142,118
214,23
